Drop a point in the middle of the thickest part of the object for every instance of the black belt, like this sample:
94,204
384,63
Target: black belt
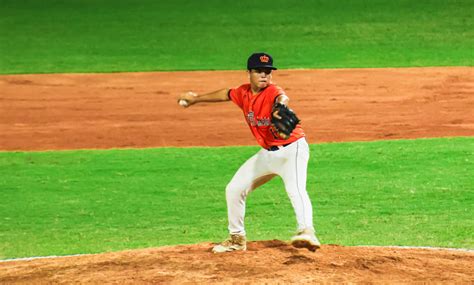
277,147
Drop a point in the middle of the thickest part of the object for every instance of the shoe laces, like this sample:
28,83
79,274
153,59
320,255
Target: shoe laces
306,231
234,239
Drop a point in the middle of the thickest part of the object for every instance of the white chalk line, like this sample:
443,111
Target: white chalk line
45,257
376,246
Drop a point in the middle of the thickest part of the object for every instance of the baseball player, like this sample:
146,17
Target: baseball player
284,152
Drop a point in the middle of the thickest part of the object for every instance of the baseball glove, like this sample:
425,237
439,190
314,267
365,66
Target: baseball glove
284,120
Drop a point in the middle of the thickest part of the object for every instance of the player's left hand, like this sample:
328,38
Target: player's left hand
284,120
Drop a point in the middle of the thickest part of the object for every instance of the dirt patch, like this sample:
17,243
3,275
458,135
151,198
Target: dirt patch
71,111
264,262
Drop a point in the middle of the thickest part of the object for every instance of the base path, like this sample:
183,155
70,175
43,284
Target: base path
265,262
71,111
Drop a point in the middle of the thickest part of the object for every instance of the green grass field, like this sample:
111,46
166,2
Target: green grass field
51,36
406,192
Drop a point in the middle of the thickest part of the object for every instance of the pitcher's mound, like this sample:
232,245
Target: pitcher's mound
263,262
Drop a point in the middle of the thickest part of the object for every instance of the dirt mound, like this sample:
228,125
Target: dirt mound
263,262
70,111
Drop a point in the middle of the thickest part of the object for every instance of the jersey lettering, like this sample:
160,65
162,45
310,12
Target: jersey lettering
264,122
251,119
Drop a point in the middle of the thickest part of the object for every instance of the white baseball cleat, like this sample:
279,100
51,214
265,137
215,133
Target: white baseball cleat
306,239
233,243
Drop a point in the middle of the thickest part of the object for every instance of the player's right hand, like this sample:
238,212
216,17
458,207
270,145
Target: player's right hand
189,97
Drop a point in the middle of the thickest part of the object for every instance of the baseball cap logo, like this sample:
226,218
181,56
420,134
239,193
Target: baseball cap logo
260,60
264,59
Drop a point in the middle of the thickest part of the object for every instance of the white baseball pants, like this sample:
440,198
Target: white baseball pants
290,163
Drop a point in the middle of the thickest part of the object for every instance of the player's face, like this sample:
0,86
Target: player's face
260,78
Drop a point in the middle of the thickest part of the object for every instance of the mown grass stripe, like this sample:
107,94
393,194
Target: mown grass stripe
52,36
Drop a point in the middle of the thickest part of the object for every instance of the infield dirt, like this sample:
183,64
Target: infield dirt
266,262
72,111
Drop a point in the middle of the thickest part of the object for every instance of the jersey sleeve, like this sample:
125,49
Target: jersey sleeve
275,92
235,95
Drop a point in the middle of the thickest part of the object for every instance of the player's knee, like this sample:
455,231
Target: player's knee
231,188
234,191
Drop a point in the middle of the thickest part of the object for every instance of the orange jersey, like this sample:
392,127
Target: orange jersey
257,111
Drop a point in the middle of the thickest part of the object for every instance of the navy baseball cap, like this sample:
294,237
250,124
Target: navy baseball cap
260,60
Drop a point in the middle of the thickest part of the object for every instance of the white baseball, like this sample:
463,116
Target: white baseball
183,103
